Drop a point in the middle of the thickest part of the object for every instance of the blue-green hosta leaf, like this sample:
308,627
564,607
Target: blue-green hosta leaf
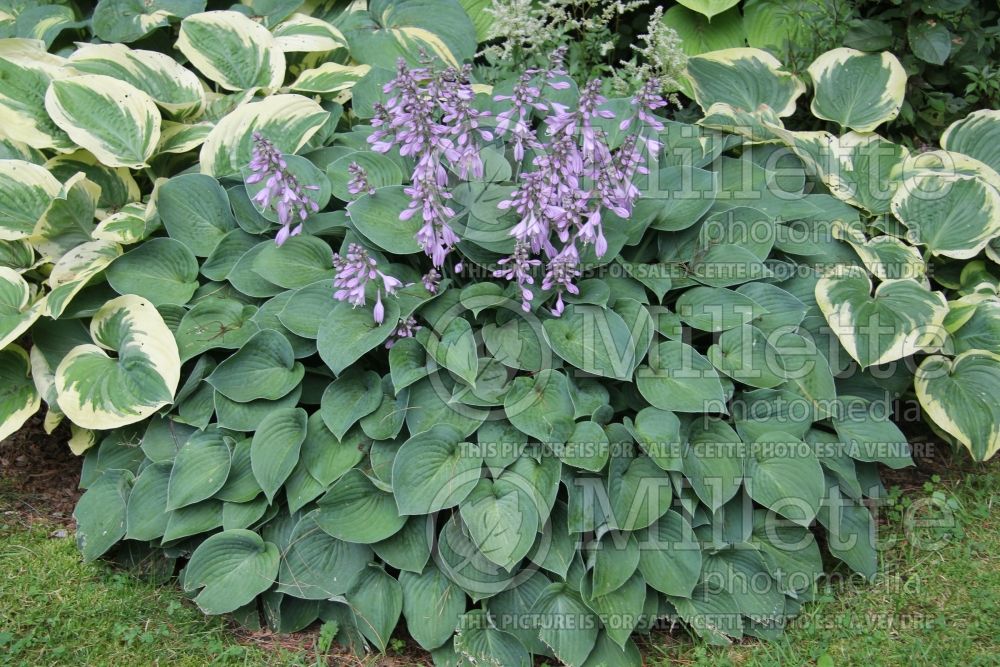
851,533
241,486
348,333
307,307
232,568
288,121
479,641
959,395
19,306
868,434
681,194
451,342
393,29
784,475
763,600
566,623
100,513
680,379
977,135
857,90
716,308
607,652
300,261
541,406
620,609
112,119
902,318
377,601
431,625
432,402
435,470
502,519
232,50
145,517
790,551
594,339
98,391
316,566
161,270
410,548
670,556
350,397
355,510
173,87
275,448
377,218
19,399
382,171
613,559
587,447
746,355
658,432
639,492
713,460
722,76
214,323
200,470
195,210
26,190
954,216
264,367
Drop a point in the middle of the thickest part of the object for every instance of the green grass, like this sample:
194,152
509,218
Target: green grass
933,607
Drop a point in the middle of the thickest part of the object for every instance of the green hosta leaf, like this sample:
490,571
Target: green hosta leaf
232,50
316,566
960,397
619,610
857,90
162,271
241,486
288,121
713,461
699,35
195,210
851,534
19,399
431,625
349,398
26,190
763,602
502,519
954,216
588,447
658,432
232,568
571,641
275,449
300,261
264,367
977,135
902,318
393,29
615,557
722,76
452,344
377,218
784,475
18,306
215,323
307,308
541,406
868,435
174,88
130,20
596,340
670,556
145,517
929,40
435,470
639,491
200,469
709,8
348,333
409,549
112,119
678,378
381,171
355,510
746,355
716,308
377,600
100,513
481,642
98,391
432,403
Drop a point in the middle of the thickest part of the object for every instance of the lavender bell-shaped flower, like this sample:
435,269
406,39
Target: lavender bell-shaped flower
282,190
353,272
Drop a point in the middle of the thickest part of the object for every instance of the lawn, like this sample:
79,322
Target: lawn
937,605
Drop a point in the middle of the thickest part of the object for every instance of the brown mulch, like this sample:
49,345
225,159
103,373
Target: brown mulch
39,475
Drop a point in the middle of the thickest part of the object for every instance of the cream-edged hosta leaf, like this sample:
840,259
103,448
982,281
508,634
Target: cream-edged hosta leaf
744,79
17,255
232,50
303,33
112,119
394,29
81,439
26,190
129,225
960,396
69,219
19,305
902,318
231,568
26,71
117,185
98,391
181,137
130,20
172,86
18,397
288,121
857,90
74,269
329,78
950,164
954,216
977,135
888,258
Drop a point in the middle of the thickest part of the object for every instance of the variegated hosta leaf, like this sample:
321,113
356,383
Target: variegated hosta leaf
117,185
129,20
98,391
20,306
758,126
329,78
288,121
902,318
977,135
18,397
26,190
69,219
173,87
745,79
394,29
954,216
74,269
303,33
81,439
17,255
232,50
112,119
960,396
181,138
129,225
857,90
26,71
888,258
948,163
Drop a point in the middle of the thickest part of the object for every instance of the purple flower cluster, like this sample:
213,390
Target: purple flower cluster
354,270
358,183
407,329
430,117
281,189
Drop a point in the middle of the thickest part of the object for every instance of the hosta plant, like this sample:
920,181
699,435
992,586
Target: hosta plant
528,368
